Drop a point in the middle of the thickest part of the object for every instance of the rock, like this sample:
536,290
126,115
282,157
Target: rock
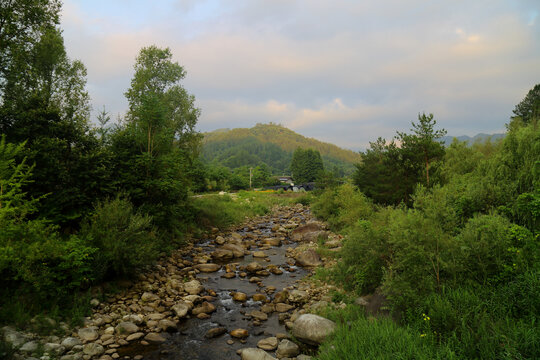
193,287
281,296
13,337
268,344
30,347
54,349
287,348
70,342
76,356
222,254
135,336
167,325
259,315
253,267
220,240
259,254
88,334
149,297
93,349
126,327
154,317
215,332
208,268
281,307
237,250
312,329
303,357
255,354
136,319
239,296
308,258
267,308
259,297
298,296
236,238
204,308
308,233
272,241
94,303
239,333
154,338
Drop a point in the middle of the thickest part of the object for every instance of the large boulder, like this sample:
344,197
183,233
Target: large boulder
308,258
287,349
181,309
208,268
308,233
126,327
222,254
312,329
255,354
237,250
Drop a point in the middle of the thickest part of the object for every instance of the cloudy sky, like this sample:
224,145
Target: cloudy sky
341,71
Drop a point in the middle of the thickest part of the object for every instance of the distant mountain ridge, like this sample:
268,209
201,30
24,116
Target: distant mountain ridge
273,145
447,140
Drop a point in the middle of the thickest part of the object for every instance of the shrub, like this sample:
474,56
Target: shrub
126,239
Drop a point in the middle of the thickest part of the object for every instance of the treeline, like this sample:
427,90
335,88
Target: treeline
450,237
80,204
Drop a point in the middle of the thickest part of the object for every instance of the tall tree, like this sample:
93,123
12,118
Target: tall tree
529,108
306,165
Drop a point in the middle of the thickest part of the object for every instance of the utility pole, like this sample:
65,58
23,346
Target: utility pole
250,178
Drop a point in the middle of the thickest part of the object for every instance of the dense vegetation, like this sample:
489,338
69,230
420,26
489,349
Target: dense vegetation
80,204
272,145
457,254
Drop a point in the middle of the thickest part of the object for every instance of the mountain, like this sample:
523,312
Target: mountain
471,140
273,145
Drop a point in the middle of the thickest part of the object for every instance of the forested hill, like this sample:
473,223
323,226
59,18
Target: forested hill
273,145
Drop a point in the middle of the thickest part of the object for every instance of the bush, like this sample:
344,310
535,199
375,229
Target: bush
125,240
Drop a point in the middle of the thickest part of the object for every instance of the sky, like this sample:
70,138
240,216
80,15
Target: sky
340,71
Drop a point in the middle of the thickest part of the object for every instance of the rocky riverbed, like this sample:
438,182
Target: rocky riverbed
237,294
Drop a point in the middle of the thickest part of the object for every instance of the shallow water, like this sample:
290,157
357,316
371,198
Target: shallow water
190,342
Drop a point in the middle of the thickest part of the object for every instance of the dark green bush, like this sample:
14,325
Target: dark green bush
125,239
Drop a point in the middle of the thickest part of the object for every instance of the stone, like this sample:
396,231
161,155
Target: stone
268,344
70,342
237,250
154,338
193,287
135,336
167,325
281,296
239,333
259,254
239,296
298,296
155,317
208,268
272,241
303,357
308,233
287,349
259,315
220,240
281,307
126,327
222,254
136,319
255,354
94,303
88,334
253,267
259,297
215,332
149,297
267,308
54,349
93,349
308,258
312,329
29,347
76,356
204,308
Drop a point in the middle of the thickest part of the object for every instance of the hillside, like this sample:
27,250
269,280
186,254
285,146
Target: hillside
270,144
471,140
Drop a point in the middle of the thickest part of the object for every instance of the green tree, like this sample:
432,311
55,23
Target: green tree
155,150
528,110
306,165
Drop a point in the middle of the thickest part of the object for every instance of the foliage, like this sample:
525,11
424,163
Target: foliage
390,171
125,239
306,165
528,110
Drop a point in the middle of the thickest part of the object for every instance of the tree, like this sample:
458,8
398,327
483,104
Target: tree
306,165
156,149
529,108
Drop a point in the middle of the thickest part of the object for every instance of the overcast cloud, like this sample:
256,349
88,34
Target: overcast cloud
340,71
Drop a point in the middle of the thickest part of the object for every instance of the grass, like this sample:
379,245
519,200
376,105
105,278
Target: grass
223,211
357,337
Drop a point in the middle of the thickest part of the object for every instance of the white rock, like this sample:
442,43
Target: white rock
312,329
